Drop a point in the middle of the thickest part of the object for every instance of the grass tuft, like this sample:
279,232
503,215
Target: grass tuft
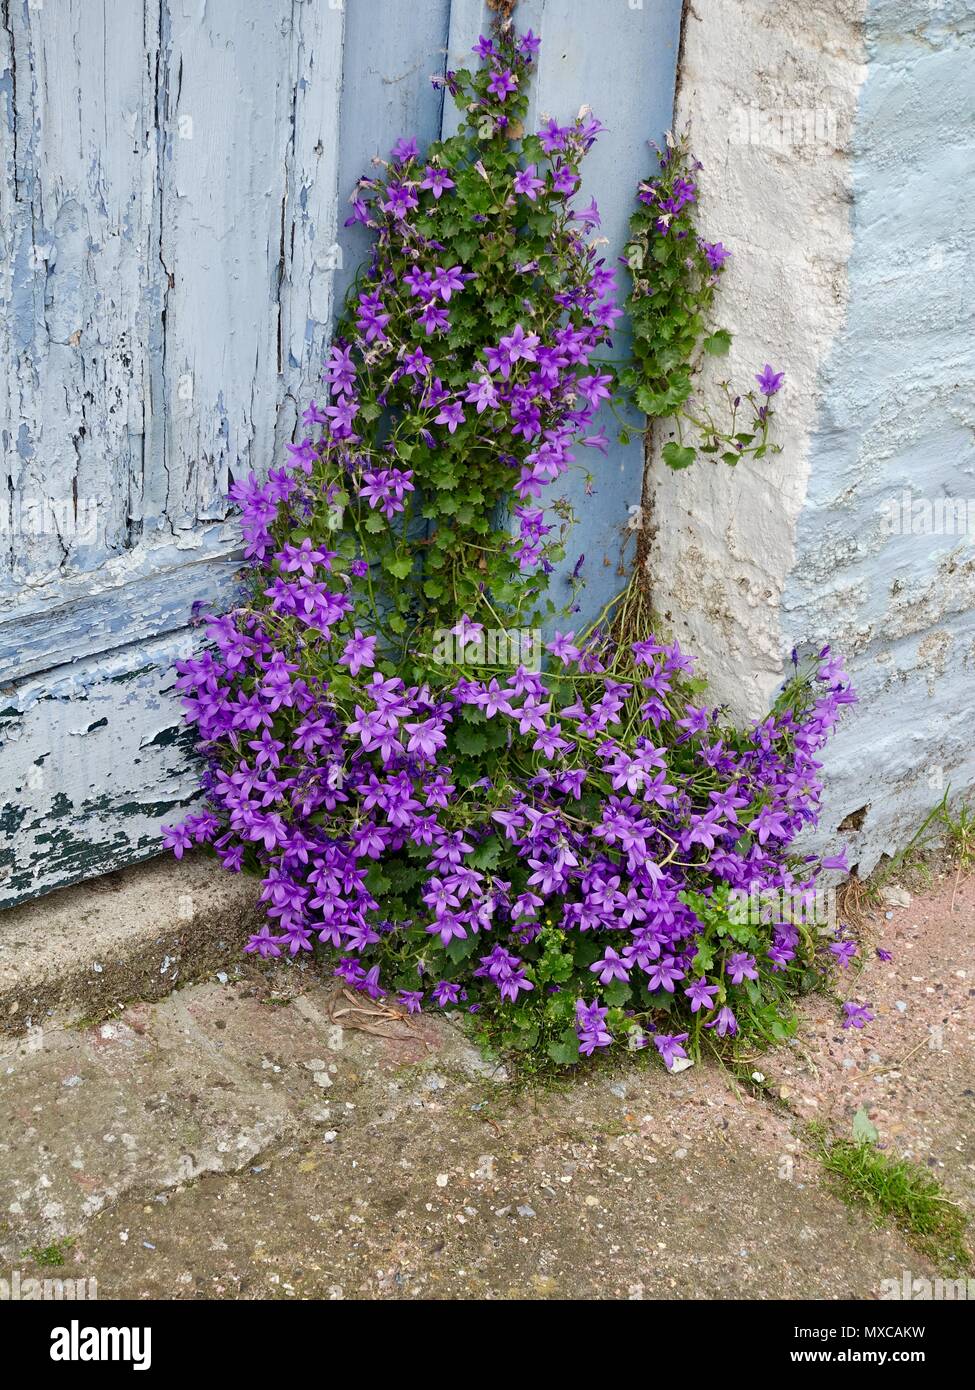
50,1256
901,1192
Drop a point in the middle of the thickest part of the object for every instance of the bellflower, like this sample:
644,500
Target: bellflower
554,834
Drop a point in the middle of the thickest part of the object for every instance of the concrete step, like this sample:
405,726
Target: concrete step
134,934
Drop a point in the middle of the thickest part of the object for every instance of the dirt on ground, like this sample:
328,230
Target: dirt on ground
258,1137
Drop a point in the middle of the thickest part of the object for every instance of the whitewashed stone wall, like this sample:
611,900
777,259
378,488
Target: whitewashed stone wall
835,142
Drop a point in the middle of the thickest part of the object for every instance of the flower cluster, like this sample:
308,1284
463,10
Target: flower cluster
462,378
599,854
556,849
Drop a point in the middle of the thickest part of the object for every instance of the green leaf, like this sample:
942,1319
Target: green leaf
400,566
565,1052
471,740
616,994
376,880
486,854
718,344
675,457
704,959
459,948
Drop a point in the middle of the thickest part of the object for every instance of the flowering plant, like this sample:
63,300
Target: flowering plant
675,274
554,849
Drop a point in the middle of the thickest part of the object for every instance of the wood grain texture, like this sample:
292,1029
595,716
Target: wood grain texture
168,197
95,758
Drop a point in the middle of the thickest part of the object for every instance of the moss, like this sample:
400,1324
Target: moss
898,1192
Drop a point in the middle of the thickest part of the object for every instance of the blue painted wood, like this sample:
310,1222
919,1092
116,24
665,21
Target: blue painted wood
391,52
168,200
173,179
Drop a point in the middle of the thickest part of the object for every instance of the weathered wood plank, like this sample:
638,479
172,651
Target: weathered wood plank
77,163
94,758
309,246
265,350
391,52
237,295
225,111
107,610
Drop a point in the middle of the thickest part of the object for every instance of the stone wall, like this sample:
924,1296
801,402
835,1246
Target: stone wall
835,141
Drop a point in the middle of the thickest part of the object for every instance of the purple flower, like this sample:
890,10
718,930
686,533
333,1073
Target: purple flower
591,1027
448,927
856,1015
358,652
436,180
669,1047
844,951
447,281
769,822
701,995
399,200
769,380
403,150
553,136
370,983
177,838
715,253
562,647
434,319
451,415
502,81
445,992
741,966
527,185
263,943
661,974
724,1023
610,968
